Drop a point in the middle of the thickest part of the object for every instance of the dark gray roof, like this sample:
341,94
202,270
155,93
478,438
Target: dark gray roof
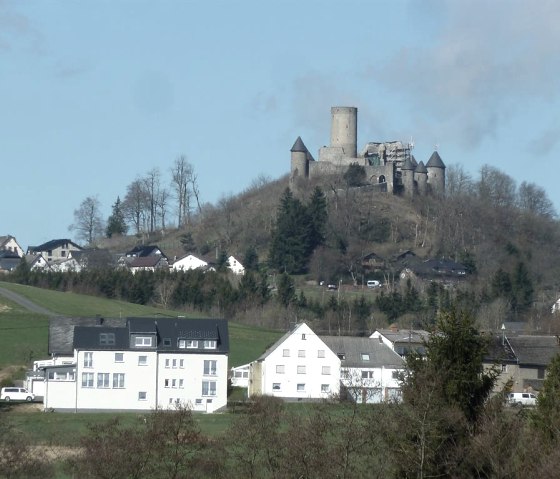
435,161
421,168
400,336
9,264
352,348
440,267
67,334
145,250
534,350
52,244
407,165
499,351
413,161
299,146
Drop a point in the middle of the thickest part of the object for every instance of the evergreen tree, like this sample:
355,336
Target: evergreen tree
187,243
355,175
547,415
286,291
251,259
289,249
318,215
116,223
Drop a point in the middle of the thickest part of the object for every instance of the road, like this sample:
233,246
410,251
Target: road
22,301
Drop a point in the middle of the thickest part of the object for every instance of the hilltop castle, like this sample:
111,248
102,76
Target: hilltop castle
388,165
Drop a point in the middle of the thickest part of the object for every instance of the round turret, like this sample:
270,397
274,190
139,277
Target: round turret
407,170
436,174
344,129
421,175
299,163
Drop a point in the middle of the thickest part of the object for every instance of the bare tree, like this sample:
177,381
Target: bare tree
87,220
181,173
162,200
136,205
151,183
533,198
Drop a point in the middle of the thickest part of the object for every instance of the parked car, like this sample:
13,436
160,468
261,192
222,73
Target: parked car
373,283
522,399
332,287
16,394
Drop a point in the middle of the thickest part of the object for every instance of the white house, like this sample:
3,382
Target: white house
136,364
9,243
37,262
65,265
187,262
370,370
54,250
298,367
235,266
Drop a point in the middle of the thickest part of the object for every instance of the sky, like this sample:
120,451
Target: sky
94,94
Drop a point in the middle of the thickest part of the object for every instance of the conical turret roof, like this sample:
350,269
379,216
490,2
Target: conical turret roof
421,168
435,161
299,146
413,160
407,165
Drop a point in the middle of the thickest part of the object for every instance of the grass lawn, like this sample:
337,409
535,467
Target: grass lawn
24,336
65,429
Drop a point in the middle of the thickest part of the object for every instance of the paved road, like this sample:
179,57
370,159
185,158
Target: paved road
22,301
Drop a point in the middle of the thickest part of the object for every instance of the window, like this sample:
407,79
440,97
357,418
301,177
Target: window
540,373
118,380
142,360
504,368
325,388
286,353
119,357
367,374
181,382
181,363
88,360
395,374
198,401
208,388
107,339
345,373
303,336
326,370
301,369
301,388
301,353
280,369
365,356
191,344
166,342
341,356
173,383
210,344
174,363
102,380
209,367
321,353
166,383
276,386
182,343
142,395
87,380
140,341
167,363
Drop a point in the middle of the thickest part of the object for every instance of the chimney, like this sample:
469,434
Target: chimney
394,328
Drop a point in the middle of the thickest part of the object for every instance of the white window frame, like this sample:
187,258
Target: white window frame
118,380
300,388
210,367
182,343
208,388
325,370
121,355
143,341
167,363
88,359
325,388
210,344
192,344
142,396
142,363
103,380
87,380
280,369
301,369
320,353
301,353
276,387
286,353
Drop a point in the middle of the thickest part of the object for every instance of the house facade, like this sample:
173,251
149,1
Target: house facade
188,262
370,370
298,367
9,243
136,364
55,250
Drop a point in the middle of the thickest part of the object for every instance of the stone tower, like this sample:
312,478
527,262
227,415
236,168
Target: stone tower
300,163
407,170
421,175
436,174
344,129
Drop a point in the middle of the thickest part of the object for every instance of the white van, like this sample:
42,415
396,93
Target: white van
372,283
16,394
522,399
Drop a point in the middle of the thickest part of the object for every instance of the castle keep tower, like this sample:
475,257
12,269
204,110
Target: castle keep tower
436,174
300,163
344,129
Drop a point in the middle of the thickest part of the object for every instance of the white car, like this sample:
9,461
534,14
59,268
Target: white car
522,399
16,394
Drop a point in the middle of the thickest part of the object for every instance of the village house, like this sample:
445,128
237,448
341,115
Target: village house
54,250
135,364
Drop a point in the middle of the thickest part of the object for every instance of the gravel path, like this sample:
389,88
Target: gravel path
22,301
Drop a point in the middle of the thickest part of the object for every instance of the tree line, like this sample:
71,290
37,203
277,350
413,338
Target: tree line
145,207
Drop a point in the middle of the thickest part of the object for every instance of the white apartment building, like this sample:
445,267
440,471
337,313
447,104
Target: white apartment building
136,364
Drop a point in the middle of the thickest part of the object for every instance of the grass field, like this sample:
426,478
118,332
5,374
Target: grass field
24,335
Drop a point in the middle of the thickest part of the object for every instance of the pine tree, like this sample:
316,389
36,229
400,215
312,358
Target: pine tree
116,224
318,215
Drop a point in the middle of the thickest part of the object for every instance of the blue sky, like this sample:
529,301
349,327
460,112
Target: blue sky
94,94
